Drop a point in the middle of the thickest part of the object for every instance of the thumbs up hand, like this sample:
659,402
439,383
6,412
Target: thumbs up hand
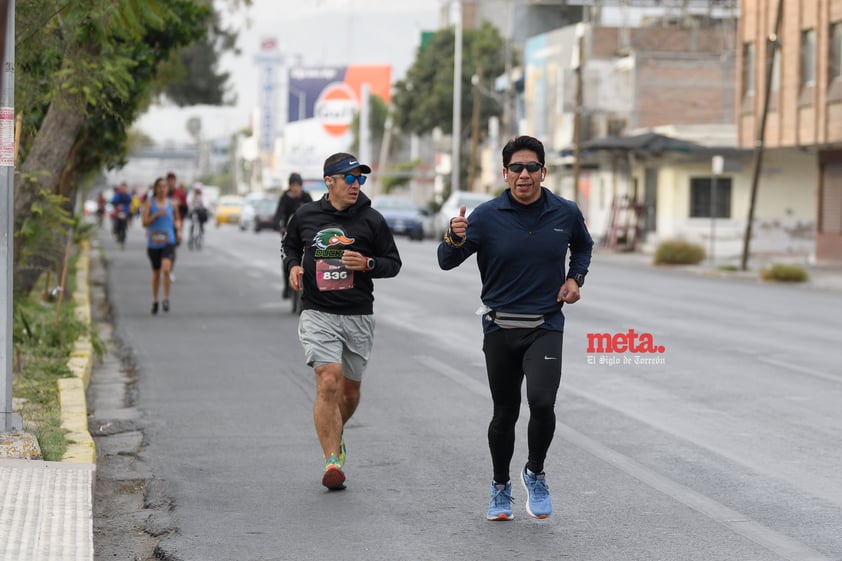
459,224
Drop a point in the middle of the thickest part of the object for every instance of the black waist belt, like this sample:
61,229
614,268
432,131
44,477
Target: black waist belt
508,320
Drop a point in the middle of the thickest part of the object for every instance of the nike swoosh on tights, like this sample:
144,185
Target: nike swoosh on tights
550,357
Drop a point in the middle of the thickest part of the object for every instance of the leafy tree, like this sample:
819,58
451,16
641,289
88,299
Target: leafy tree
191,76
85,71
424,99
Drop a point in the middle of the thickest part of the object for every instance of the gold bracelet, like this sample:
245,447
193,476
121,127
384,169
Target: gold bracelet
448,239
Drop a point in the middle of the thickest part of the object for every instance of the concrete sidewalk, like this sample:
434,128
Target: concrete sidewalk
821,277
46,508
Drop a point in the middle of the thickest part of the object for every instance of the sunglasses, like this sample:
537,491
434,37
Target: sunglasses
349,179
531,167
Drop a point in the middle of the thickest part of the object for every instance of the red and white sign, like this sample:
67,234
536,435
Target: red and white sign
7,136
336,107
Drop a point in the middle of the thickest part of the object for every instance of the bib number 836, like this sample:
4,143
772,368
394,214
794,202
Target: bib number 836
335,275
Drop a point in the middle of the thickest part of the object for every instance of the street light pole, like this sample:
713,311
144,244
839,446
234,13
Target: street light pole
457,96
717,166
9,421
476,79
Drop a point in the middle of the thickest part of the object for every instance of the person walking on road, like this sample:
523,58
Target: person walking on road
521,239
162,224
333,248
290,201
178,197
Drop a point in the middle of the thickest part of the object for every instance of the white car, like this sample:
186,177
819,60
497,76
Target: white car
259,214
451,207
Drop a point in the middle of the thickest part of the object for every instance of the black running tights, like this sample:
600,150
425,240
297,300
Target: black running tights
511,355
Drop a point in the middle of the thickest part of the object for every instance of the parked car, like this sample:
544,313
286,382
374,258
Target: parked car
451,206
403,216
259,214
228,210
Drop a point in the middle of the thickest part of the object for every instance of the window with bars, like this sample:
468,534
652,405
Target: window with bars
748,69
808,57
835,55
702,197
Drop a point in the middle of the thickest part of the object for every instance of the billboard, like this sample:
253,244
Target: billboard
270,63
322,102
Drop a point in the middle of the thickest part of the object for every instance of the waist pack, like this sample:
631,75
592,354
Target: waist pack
507,320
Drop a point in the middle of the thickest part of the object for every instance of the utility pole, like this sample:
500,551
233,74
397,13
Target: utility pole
476,81
508,99
772,44
364,153
9,421
577,116
456,145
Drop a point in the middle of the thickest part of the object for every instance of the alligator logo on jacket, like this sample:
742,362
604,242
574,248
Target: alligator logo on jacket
331,237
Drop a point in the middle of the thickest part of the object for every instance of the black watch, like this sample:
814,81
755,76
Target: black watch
369,264
580,279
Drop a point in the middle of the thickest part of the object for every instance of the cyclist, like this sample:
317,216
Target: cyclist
122,203
198,217
290,201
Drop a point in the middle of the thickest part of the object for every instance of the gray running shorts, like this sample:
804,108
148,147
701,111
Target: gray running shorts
335,338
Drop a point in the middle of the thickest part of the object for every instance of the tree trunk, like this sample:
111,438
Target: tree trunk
43,167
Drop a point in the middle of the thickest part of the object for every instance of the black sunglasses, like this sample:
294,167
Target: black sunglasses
531,167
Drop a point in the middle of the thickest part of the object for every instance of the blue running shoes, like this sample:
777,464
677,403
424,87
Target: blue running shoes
500,507
539,504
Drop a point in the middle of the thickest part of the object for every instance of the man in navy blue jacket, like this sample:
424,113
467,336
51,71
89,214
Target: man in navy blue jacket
521,239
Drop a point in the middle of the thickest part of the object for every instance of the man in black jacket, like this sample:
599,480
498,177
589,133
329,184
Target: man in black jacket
290,201
333,249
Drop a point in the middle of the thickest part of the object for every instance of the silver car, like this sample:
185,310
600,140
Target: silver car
451,207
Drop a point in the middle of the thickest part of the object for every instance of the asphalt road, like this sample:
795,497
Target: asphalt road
725,446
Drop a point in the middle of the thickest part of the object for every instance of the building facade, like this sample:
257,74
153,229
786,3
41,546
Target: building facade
804,110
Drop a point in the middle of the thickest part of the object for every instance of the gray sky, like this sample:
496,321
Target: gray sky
321,32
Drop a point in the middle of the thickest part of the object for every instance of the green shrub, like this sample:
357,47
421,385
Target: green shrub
784,273
677,252
43,338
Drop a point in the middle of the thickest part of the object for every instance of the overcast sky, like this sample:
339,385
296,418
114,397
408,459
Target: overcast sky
321,32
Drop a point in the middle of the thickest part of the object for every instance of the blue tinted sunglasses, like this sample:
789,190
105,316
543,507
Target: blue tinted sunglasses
531,167
349,179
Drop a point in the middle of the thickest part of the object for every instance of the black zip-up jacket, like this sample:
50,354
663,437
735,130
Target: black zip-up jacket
287,205
319,231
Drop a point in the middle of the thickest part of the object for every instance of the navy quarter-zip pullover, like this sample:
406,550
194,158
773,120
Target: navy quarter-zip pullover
509,239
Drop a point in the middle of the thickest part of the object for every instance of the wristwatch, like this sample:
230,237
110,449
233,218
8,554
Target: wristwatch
369,264
580,279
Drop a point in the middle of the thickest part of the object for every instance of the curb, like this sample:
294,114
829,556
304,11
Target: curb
74,408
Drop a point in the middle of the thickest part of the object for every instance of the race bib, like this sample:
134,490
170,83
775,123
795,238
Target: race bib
159,237
331,274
